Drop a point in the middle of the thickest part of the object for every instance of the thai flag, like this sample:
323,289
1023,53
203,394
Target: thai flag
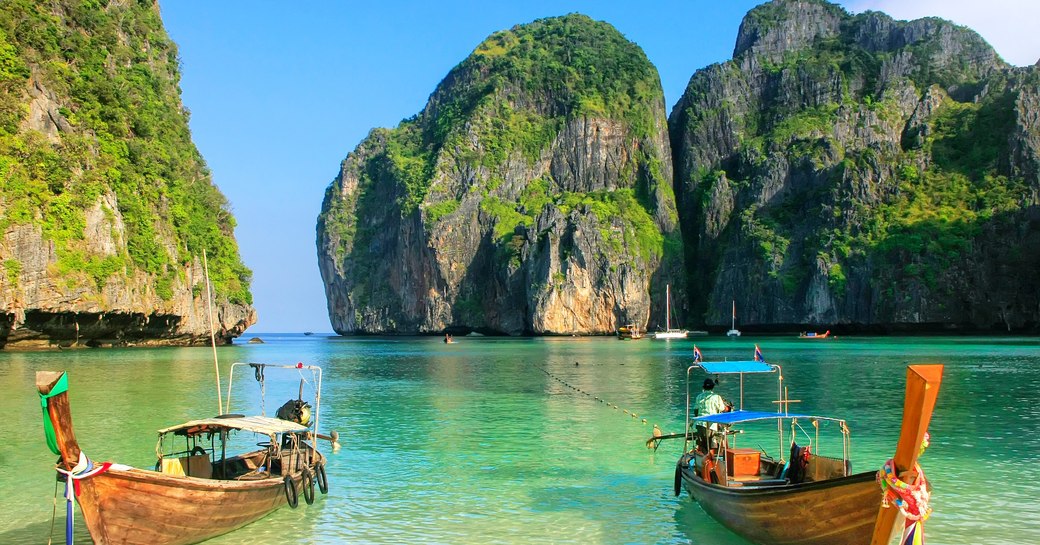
758,354
697,354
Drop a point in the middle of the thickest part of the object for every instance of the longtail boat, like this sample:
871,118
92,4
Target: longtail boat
814,335
630,332
807,499
197,490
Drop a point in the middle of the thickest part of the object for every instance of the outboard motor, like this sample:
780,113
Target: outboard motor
296,410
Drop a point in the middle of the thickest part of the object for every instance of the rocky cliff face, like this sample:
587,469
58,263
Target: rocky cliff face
532,195
105,204
862,171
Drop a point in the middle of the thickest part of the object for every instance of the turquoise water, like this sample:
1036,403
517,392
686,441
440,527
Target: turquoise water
502,440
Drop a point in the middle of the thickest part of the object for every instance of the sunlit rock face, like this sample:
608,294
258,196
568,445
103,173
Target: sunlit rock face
532,195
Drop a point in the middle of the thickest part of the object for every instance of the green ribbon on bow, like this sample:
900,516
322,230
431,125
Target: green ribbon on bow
60,387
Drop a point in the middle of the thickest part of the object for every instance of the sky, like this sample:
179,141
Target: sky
281,92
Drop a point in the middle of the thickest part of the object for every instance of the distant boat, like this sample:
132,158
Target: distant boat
629,332
814,335
308,333
733,331
669,333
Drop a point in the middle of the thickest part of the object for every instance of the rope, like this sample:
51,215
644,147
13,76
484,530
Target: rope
54,513
258,374
911,499
609,404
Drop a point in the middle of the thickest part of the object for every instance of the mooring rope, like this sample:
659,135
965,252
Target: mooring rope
633,414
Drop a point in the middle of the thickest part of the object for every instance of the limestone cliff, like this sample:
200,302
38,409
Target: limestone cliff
533,194
860,171
105,203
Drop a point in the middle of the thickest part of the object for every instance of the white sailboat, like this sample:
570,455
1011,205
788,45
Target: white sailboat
669,333
733,331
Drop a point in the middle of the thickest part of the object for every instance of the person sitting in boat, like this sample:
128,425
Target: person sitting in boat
708,403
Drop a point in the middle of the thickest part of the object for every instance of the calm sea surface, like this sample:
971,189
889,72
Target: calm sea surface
502,440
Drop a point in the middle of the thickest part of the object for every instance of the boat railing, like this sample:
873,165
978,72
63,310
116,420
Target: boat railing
258,371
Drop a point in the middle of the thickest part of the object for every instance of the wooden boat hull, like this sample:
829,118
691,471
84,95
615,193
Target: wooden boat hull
147,507
833,512
134,506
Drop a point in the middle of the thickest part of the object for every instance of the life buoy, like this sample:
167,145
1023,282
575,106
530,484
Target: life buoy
323,480
290,492
308,486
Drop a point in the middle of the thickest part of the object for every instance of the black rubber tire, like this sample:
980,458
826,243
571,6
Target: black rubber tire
308,487
323,480
199,449
678,480
290,492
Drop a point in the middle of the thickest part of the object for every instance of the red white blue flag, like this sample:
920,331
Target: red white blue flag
758,354
697,354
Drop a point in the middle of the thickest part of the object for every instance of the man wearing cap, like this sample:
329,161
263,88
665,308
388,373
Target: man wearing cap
708,402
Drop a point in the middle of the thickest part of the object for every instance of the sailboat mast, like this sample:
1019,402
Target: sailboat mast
668,307
733,324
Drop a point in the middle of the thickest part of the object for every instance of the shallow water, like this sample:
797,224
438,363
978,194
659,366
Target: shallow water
503,440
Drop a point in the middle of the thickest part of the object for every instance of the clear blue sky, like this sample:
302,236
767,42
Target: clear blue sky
281,92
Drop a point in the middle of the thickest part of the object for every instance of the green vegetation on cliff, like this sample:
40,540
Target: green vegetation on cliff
877,155
107,74
520,85
514,94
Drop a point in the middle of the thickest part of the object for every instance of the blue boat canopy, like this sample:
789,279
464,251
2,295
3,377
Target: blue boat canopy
724,367
737,417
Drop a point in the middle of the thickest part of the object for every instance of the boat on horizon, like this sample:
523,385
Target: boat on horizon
669,332
809,499
733,331
814,335
197,489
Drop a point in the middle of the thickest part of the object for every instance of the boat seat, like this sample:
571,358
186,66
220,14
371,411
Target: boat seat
188,466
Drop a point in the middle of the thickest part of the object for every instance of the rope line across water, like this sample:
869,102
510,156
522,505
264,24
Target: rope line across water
596,398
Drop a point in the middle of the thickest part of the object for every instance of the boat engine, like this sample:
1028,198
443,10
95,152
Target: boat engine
295,410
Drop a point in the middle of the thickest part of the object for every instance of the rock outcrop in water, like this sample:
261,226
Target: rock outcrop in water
105,203
860,171
533,194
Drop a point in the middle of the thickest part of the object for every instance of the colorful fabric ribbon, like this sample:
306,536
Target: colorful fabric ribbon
84,469
912,500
